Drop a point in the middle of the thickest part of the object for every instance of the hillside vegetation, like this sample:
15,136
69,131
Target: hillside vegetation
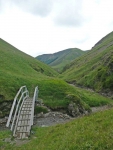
18,69
60,59
93,132
95,68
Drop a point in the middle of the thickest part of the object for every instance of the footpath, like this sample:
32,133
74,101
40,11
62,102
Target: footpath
53,118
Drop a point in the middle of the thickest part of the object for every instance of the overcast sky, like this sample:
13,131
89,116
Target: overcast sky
47,26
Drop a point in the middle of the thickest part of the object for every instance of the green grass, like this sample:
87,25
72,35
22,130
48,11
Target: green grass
17,69
90,132
93,69
55,92
93,99
39,109
93,132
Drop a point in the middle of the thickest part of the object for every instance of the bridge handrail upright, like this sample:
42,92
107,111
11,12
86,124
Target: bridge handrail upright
22,90
35,97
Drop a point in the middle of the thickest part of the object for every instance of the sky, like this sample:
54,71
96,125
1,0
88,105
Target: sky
47,26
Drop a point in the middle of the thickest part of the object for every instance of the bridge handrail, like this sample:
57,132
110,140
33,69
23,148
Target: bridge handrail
35,97
17,109
18,116
22,90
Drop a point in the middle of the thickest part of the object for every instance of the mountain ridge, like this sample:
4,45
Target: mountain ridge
59,59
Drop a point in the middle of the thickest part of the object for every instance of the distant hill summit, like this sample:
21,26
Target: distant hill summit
60,59
95,68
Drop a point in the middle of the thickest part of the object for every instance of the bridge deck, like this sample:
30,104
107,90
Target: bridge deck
24,121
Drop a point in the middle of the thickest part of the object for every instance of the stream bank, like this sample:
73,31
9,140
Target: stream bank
53,118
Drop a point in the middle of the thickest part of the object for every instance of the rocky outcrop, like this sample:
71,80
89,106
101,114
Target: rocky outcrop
5,108
76,106
75,110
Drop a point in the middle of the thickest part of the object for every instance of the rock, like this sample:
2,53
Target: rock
5,108
75,110
47,114
61,116
39,102
3,120
86,112
6,117
48,110
54,115
40,115
76,107
51,118
44,126
66,116
8,140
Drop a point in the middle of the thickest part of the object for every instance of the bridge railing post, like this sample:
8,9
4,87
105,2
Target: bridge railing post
17,100
35,97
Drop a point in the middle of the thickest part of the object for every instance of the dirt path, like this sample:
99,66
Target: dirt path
101,108
107,94
53,118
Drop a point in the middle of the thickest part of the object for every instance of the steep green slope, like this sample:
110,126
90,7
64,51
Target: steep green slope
12,58
17,69
92,132
95,68
60,59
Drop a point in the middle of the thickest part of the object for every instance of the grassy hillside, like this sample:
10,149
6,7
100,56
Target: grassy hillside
60,59
56,94
95,68
93,132
18,69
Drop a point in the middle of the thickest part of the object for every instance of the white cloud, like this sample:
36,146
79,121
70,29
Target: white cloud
50,26
68,13
36,7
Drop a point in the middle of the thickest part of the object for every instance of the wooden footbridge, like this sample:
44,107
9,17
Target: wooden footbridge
22,113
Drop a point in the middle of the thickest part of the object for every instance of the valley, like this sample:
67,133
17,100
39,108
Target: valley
69,87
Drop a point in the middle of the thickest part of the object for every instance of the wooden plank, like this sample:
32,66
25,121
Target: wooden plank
21,128
19,123
24,125
23,136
